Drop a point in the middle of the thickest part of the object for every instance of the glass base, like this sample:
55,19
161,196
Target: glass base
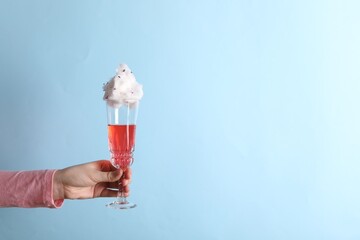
121,205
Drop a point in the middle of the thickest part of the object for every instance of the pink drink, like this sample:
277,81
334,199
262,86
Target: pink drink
121,144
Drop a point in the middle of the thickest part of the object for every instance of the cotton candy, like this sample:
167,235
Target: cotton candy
122,88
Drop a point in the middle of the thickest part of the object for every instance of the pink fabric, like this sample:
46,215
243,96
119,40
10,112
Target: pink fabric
28,189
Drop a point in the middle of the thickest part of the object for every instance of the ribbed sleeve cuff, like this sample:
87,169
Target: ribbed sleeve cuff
49,193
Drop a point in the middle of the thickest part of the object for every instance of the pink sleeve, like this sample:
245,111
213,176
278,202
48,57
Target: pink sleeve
28,189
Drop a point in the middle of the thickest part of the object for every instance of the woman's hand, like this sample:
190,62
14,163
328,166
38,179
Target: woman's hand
90,180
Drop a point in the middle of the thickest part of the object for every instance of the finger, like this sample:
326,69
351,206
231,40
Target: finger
113,192
114,185
122,182
104,166
126,182
109,176
108,193
128,173
126,189
116,188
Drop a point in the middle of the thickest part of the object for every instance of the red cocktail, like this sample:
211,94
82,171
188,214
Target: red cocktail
121,144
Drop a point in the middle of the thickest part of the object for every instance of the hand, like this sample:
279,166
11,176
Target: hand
90,180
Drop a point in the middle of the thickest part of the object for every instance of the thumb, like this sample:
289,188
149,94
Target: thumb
110,176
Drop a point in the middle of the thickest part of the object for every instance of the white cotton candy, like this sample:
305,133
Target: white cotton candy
122,88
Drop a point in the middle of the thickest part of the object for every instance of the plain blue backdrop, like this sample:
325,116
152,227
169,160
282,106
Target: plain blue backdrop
248,129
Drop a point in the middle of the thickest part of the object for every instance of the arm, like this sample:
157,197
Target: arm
27,189
49,188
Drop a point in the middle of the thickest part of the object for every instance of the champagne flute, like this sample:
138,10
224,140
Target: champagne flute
121,136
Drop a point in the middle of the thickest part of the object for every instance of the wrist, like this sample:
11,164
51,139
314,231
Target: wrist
58,188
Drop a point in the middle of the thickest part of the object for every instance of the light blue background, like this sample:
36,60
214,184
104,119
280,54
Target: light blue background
249,127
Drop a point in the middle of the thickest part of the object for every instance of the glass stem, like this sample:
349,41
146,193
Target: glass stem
121,193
